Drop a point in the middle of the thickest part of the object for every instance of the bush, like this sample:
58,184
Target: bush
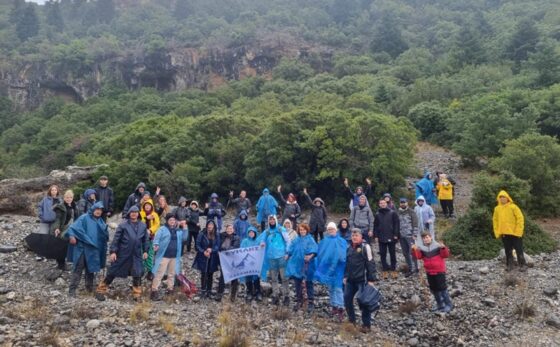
472,238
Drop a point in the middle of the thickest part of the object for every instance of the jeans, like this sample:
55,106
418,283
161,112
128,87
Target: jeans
383,246
336,296
193,234
349,292
447,207
299,290
406,246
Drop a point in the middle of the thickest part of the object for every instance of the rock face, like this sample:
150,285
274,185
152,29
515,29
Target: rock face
22,195
173,69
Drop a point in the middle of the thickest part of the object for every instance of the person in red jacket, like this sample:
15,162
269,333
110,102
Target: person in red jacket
433,254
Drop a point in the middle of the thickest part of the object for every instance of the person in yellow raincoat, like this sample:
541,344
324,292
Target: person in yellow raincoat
151,218
445,195
509,224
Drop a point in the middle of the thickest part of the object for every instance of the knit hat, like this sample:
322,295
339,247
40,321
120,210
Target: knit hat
331,225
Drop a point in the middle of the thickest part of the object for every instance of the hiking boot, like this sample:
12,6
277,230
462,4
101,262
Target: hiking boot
384,275
150,276
365,329
339,315
509,267
310,307
100,297
276,300
61,266
72,293
155,296
89,288
522,268
249,298
136,293
286,301
101,288
408,274
395,274
259,297
296,307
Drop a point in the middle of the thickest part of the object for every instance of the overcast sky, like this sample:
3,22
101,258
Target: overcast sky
37,1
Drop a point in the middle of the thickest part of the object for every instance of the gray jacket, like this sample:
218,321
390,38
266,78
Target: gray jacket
361,218
408,221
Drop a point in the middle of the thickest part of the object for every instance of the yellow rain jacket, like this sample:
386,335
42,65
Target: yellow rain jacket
508,219
153,224
445,191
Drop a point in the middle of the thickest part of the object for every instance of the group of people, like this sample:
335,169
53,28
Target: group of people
152,239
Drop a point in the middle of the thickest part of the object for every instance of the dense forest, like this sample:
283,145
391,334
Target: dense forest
481,77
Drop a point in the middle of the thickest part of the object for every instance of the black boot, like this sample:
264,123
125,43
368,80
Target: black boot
249,291
233,294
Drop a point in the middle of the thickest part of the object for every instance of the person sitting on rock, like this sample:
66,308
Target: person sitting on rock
89,236
433,254
167,246
127,252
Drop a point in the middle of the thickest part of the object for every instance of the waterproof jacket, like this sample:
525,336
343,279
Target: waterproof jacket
276,240
215,211
241,204
508,218
425,187
193,220
266,206
361,218
153,224
355,197
433,255
85,203
251,242
162,239
331,261
318,218
106,196
229,241
297,267
133,199
64,215
241,225
201,263
290,209
131,241
408,222
180,212
45,209
360,266
92,237
386,226
444,189
426,216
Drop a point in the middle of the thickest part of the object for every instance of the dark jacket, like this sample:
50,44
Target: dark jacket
85,203
201,263
386,225
240,205
360,265
106,196
356,197
318,218
194,219
408,222
228,242
290,209
180,212
133,199
130,242
64,216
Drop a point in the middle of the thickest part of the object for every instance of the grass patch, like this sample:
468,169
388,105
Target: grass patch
525,309
166,324
50,339
234,328
140,313
511,281
281,314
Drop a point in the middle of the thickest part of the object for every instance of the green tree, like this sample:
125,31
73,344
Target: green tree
468,48
27,24
388,37
546,61
182,9
105,11
54,15
524,41
432,120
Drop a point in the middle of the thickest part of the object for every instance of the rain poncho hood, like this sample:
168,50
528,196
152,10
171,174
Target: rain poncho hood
88,193
508,218
241,225
276,241
250,241
92,236
331,261
266,206
425,213
181,200
299,248
426,187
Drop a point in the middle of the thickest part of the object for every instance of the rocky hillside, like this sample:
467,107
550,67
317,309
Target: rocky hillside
492,308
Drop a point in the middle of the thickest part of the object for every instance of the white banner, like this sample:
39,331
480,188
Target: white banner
241,262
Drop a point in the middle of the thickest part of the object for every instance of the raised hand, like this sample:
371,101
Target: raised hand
346,181
279,188
305,191
368,181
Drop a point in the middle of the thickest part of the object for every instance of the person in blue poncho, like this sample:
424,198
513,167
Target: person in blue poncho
301,265
241,225
252,283
266,206
331,262
88,236
425,187
276,240
167,247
